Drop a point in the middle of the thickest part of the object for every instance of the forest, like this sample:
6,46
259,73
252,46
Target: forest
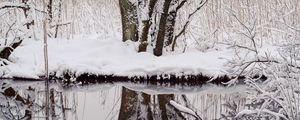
53,51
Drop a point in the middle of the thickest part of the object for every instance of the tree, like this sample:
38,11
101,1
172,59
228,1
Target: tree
147,24
21,26
162,29
129,20
159,26
135,103
272,76
139,105
12,40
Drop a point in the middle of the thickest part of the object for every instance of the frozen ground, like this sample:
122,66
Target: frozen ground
108,56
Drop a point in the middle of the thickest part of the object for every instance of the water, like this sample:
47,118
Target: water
117,101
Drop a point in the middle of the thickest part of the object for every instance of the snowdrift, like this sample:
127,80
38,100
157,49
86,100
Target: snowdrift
94,55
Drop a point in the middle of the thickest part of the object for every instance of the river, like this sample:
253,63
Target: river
26,99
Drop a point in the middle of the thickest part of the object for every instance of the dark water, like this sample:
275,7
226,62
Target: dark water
26,100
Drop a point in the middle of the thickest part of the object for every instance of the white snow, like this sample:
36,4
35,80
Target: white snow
205,89
249,112
182,108
108,56
4,4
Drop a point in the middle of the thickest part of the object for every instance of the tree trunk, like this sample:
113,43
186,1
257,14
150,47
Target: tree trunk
162,29
147,24
167,111
6,52
49,9
163,100
52,98
129,20
25,10
170,25
133,106
59,15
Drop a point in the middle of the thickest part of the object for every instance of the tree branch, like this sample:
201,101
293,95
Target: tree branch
179,34
181,4
14,6
187,23
201,5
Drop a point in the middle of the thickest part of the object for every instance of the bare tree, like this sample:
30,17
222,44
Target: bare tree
274,76
162,29
9,47
147,24
129,20
163,22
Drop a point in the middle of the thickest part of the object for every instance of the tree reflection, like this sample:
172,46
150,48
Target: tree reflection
136,105
14,106
26,103
29,103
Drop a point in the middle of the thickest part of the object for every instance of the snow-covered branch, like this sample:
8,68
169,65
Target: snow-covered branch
13,5
185,110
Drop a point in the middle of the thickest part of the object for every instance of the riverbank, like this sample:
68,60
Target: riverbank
96,57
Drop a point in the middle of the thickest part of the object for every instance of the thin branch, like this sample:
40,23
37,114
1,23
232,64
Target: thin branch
41,11
291,27
243,47
181,4
187,23
251,35
179,34
262,61
15,6
60,24
201,5
24,7
9,29
246,27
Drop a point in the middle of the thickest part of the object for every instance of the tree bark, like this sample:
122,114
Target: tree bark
170,25
25,10
49,9
163,100
129,20
59,15
132,105
162,29
52,98
147,24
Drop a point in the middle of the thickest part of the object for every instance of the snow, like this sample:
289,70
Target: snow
182,108
205,89
4,4
249,112
99,55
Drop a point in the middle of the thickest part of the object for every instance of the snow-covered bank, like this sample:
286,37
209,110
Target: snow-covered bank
108,56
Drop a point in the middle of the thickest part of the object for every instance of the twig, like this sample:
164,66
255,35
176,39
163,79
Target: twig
181,4
201,5
187,23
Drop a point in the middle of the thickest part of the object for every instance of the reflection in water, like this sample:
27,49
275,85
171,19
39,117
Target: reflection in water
26,100
138,105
